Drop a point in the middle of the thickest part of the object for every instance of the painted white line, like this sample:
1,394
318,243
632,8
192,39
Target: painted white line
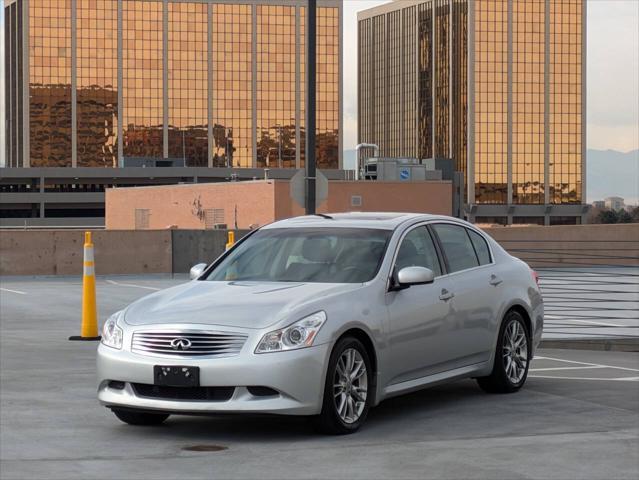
13,291
132,285
589,322
564,368
626,379
589,364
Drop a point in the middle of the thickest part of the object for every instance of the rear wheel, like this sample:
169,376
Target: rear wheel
139,418
512,357
346,395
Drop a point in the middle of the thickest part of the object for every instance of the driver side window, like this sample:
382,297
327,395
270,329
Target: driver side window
418,250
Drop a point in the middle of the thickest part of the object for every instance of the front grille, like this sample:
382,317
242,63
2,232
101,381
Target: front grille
211,394
187,344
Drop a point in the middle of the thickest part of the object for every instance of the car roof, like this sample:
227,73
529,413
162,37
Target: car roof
378,220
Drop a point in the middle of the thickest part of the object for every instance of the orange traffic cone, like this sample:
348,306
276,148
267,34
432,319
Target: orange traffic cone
89,328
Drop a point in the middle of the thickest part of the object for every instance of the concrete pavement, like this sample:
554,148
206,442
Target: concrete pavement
577,417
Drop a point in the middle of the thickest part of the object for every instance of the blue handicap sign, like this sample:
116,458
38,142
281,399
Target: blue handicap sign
404,174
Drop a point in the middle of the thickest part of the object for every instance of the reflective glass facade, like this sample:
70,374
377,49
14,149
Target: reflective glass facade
327,106
327,88
275,86
442,78
425,99
97,83
14,83
394,55
528,101
212,83
142,88
50,82
409,133
491,101
459,63
232,86
498,90
565,103
188,82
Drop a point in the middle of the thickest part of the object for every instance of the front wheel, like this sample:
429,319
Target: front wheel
139,418
346,391
512,357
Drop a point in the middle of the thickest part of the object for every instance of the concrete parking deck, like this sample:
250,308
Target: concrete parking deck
577,417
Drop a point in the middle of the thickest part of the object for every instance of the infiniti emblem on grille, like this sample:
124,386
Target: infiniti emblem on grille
180,343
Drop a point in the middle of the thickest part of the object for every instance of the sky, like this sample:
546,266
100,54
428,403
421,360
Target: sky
612,73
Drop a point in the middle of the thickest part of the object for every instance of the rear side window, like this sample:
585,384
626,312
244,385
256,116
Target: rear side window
418,250
457,247
481,247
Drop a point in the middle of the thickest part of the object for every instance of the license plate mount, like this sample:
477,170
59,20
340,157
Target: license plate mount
176,376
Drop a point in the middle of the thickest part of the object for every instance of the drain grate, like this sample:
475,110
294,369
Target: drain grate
205,448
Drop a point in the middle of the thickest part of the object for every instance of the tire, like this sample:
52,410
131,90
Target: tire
510,368
341,416
140,418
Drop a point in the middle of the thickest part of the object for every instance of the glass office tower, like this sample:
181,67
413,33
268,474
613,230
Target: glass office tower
96,83
498,86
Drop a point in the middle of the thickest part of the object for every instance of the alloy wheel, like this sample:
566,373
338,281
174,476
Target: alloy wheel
515,351
350,385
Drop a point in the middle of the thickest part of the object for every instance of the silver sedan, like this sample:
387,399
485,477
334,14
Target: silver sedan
325,316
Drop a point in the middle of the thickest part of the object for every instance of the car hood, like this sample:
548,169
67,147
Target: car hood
231,304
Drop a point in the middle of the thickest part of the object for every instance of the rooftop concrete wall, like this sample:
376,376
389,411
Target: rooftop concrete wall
59,252
571,245
55,252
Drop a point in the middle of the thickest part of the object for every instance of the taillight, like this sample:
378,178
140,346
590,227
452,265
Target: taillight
535,276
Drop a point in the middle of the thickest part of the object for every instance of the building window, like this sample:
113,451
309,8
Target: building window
232,86
275,86
491,101
142,87
97,82
327,88
50,83
565,101
188,83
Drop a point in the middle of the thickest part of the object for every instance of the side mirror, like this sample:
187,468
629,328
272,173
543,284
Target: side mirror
409,276
197,270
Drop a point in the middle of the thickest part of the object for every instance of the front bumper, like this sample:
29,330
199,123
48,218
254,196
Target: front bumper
297,376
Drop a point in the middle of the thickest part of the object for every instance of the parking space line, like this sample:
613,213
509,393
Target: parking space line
112,282
621,379
589,322
586,363
585,367
12,291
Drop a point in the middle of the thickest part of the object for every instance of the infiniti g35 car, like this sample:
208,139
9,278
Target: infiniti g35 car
325,316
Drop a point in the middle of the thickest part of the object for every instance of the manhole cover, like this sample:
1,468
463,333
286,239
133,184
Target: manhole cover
205,448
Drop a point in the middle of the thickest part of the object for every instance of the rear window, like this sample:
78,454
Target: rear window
481,247
457,247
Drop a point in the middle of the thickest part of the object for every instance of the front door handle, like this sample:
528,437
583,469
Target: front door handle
495,280
445,295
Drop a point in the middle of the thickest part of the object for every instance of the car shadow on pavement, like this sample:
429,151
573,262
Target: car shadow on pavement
395,413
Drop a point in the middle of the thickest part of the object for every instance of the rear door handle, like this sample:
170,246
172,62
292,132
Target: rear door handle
495,280
445,295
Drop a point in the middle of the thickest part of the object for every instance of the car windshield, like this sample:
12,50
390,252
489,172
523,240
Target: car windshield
320,255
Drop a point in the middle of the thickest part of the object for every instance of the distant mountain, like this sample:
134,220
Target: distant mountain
612,173
609,173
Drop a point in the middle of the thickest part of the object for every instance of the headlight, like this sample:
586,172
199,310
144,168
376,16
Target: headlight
298,335
111,333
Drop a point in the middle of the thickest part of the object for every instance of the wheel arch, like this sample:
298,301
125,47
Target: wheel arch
524,313
367,341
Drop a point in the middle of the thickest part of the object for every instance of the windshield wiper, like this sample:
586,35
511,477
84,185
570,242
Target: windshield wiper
323,215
